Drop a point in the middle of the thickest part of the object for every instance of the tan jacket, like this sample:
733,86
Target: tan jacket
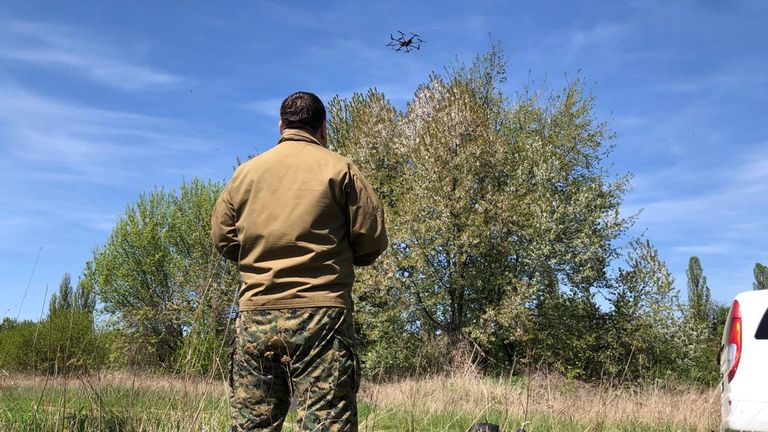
295,219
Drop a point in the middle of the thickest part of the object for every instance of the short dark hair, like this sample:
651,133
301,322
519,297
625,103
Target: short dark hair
302,110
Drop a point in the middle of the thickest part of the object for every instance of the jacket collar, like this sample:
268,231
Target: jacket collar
298,135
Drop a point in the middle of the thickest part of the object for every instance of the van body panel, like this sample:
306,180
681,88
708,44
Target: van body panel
745,398
747,416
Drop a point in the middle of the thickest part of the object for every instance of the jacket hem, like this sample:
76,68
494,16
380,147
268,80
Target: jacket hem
293,304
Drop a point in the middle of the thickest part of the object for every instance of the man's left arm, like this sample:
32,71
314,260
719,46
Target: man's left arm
224,229
368,234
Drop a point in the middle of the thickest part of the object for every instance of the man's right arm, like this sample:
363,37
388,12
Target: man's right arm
223,227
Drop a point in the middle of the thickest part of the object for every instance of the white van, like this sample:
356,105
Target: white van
744,364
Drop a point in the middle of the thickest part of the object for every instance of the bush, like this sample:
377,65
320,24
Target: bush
17,343
64,342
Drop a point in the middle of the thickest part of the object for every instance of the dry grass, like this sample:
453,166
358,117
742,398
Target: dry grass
139,380
592,406
440,403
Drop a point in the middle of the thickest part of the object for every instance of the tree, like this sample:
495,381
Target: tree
500,212
761,277
82,298
160,278
699,297
62,300
700,329
641,336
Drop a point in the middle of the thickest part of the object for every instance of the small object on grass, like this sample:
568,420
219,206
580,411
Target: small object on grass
484,427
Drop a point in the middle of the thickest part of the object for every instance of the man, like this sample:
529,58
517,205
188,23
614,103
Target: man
296,219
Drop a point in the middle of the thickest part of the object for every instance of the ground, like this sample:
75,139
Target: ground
152,403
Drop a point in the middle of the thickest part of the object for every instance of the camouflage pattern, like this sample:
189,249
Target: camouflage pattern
307,352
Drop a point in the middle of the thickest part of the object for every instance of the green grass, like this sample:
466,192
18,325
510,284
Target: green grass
109,407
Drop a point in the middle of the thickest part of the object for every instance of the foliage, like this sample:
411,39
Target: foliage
761,277
65,341
17,340
83,298
699,297
700,329
504,222
501,215
162,282
63,299
641,335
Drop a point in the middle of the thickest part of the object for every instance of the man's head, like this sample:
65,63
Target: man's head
305,111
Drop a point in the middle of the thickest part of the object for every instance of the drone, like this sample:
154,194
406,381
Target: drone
405,42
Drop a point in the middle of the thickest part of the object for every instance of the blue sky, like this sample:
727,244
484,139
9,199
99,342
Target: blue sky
100,101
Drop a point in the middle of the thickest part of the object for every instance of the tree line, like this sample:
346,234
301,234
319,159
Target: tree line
507,243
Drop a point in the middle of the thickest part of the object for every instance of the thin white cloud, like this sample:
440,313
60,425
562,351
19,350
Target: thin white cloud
728,80
67,141
600,34
74,51
270,107
39,213
690,190
704,249
299,17
628,121
726,203
473,24
722,216
710,208
755,169
30,214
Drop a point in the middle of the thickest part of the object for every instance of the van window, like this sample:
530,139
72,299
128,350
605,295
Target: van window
762,329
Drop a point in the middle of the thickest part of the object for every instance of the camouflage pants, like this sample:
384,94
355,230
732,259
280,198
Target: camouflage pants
308,353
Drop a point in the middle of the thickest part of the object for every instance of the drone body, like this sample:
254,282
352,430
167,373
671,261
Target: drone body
405,42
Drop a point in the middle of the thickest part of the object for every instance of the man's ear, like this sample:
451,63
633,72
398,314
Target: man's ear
281,127
324,134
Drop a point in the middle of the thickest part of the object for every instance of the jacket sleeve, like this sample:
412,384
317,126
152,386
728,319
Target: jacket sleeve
223,228
368,235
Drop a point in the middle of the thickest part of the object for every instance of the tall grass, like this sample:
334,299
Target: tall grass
448,402
541,402
111,402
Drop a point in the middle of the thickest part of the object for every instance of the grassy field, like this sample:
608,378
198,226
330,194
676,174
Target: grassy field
124,402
